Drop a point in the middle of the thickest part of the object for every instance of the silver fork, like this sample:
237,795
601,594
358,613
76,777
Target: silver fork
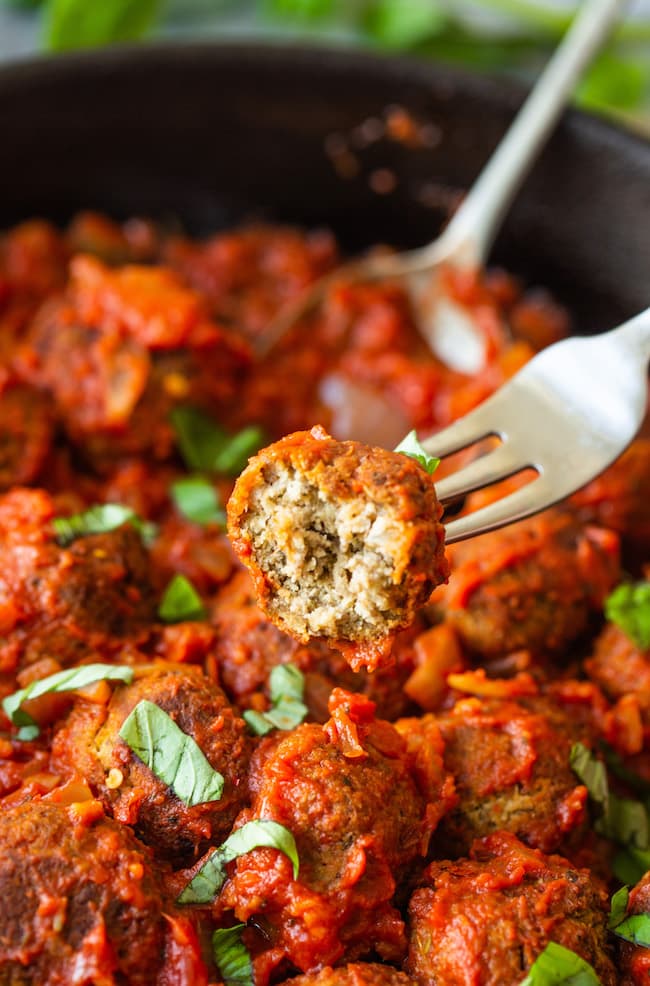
568,414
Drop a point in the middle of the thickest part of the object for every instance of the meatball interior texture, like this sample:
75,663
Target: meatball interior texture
412,739
343,540
486,919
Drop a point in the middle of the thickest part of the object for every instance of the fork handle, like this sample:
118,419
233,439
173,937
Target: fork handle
469,236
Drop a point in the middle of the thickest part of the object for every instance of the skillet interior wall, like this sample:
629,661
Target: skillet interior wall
208,135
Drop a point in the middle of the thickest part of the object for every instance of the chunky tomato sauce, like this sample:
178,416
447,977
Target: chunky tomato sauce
436,821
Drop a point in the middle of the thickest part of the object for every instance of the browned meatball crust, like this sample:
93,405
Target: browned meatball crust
75,893
534,585
510,764
343,540
88,743
69,603
354,974
26,427
484,920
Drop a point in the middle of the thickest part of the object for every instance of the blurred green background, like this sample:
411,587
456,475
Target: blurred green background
496,36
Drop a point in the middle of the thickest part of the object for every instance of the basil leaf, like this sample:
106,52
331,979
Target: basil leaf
206,447
231,956
635,929
628,607
286,686
100,519
397,24
199,438
180,602
80,24
630,864
286,681
410,446
259,833
623,820
196,499
62,681
559,965
173,756
618,907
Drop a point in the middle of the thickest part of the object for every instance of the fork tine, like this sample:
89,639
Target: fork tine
489,468
530,499
477,424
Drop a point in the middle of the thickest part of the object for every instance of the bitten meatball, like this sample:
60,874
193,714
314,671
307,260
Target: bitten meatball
510,764
485,919
532,586
634,961
361,806
79,901
354,974
86,600
343,540
89,744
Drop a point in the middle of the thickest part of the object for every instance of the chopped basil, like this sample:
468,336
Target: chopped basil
231,956
101,519
62,681
635,928
286,685
197,500
559,966
261,832
410,446
207,447
628,607
173,756
623,819
180,602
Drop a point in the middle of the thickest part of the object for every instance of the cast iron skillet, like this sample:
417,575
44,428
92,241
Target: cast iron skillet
212,134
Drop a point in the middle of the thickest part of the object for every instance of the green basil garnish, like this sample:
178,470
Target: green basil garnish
62,681
257,834
628,607
287,710
623,819
173,756
196,499
101,519
411,446
635,928
618,907
207,447
559,966
180,602
231,956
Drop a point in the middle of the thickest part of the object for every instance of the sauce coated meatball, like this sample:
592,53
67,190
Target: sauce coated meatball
343,540
621,668
532,586
354,974
361,806
79,901
69,603
89,743
484,920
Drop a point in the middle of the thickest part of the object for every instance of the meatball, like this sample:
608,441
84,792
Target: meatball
89,599
343,540
26,428
140,343
361,806
634,961
354,974
532,586
510,764
89,744
79,901
485,919
620,668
